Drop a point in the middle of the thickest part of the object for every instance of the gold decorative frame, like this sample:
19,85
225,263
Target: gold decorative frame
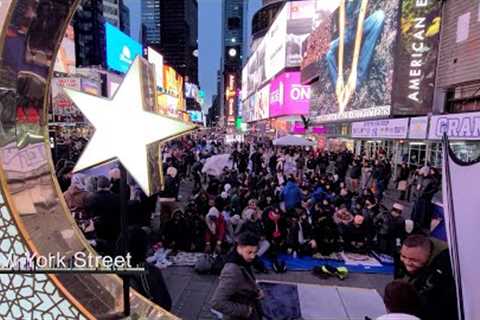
33,214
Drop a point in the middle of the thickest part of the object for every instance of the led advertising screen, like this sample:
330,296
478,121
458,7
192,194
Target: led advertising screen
416,57
356,71
121,49
275,44
315,46
156,59
288,96
248,112
60,100
262,106
282,45
65,61
191,91
253,74
301,20
196,116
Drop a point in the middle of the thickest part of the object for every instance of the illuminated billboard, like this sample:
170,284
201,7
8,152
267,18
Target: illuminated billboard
231,97
65,61
356,70
282,45
196,116
191,91
373,58
288,96
156,59
121,49
416,57
262,106
315,46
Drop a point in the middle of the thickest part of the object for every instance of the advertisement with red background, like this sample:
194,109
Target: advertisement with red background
288,96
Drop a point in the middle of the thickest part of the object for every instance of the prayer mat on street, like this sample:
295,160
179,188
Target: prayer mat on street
186,259
353,263
291,301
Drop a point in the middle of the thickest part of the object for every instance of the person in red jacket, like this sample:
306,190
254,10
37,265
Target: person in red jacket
215,234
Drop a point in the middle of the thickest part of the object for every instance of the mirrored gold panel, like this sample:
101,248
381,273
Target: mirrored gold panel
33,214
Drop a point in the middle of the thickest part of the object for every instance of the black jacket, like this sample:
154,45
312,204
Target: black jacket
152,285
105,207
435,285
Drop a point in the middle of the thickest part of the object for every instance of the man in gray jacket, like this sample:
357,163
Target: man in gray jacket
237,296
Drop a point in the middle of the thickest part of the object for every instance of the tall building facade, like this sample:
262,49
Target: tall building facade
111,12
179,36
151,23
124,18
171,28
88,23
233,26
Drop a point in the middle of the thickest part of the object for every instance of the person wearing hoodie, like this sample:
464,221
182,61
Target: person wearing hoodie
425,263
215,234
291,194
237,296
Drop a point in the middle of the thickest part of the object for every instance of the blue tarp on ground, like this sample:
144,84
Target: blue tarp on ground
308,263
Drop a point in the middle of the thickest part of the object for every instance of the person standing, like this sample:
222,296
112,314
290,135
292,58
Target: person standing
423,208
355,174
237,295
402,180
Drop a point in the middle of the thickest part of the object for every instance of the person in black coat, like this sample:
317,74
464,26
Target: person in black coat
150,283
425,263
423,208
105,208
356,174
325,235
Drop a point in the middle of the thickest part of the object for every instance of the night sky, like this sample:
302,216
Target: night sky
209,37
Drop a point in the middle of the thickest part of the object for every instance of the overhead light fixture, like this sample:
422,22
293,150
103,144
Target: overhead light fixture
232,52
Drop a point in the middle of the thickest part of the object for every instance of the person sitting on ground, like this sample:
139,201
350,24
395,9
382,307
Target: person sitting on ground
357,236
401,301
291,194
425,263
325,236
237,295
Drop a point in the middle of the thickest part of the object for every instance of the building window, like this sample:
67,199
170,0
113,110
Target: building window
234,23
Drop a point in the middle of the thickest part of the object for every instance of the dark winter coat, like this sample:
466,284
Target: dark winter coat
237,291
291,195
435,285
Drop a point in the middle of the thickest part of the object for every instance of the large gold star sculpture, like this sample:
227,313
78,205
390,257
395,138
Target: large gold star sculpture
124,130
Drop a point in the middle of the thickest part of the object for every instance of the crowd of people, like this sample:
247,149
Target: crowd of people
294,200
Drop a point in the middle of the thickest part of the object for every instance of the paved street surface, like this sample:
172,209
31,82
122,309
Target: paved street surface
191,292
